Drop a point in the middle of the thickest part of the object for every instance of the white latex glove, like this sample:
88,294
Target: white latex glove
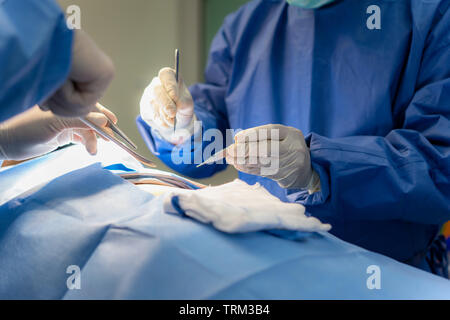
277,152
162,100
36,132
237,207
90,75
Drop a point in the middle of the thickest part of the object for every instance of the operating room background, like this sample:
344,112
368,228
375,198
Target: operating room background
141,36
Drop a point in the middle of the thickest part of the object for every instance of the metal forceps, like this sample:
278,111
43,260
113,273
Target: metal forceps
115,140
115,128
177,77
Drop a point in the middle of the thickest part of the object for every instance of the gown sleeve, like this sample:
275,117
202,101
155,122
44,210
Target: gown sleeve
35,53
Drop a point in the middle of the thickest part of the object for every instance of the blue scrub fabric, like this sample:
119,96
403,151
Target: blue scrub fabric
35,53
131,249
373,104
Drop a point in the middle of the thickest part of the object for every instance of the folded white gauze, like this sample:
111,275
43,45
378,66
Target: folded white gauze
238,207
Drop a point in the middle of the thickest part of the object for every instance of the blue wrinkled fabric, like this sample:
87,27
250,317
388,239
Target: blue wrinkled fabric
35,53
130,249
373,104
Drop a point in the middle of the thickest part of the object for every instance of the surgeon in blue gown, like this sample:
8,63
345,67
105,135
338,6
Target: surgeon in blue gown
361,92
43,62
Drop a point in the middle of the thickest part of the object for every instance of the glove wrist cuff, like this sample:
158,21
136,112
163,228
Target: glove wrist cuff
314,183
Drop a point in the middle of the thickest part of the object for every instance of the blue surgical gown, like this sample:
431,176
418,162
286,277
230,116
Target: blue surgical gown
35,53
373,103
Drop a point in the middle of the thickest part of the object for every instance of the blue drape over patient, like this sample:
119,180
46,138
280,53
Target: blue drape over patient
131,249
373,103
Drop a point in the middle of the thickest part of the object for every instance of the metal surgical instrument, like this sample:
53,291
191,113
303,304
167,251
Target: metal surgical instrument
115,140
177,77
216,157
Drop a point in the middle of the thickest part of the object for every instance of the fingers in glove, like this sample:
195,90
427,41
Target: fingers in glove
67,102
266,132
147,107
160,118
164,98
169,82
167,108
168,120
256,153
254,170
99,119
156,105
260,149
59,124
88,138
264,170
109,114
266,164
177,91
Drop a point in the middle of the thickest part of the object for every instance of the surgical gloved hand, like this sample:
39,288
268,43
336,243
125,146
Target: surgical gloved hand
164,99
237,207
277,152
36,132
90,75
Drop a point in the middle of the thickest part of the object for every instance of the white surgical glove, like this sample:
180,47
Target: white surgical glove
36,132
90,75
237,207
277,152
164,99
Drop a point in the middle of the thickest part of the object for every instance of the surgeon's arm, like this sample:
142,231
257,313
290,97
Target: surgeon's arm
210,112
404,175
35,53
